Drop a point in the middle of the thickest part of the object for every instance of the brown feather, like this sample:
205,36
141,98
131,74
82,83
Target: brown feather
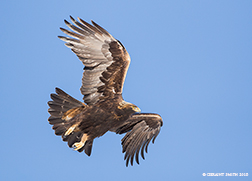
144,128
106,58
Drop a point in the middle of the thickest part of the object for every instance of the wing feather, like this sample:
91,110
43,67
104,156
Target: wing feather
105,59
141,129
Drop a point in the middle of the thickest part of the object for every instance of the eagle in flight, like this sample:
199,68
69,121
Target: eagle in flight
106,62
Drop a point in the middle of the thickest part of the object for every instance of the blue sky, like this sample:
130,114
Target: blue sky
191,62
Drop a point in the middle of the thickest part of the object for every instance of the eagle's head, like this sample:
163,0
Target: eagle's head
135,108
127,105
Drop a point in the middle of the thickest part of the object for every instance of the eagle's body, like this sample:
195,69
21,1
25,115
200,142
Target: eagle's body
106,63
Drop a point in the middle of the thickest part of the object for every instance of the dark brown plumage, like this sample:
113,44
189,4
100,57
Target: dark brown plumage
106,63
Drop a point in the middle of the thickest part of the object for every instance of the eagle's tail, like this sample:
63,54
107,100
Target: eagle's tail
63,109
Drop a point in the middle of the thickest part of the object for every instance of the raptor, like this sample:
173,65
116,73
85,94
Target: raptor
106,62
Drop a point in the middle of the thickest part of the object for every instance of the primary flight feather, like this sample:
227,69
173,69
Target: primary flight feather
106,62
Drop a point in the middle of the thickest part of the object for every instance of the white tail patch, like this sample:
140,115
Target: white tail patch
79,145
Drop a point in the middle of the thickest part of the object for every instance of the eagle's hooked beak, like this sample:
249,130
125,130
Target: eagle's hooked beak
137,109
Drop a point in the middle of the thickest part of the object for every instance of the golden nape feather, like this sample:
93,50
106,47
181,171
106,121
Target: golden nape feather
106,62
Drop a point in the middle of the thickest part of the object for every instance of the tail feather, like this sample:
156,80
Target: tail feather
61,103
55,113
58,106
60,130
53,120
65,97
88,147
63,109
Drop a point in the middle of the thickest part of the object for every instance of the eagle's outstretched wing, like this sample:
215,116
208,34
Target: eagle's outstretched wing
105,58
141,129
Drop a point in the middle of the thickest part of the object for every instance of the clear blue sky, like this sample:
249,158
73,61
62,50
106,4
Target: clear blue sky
191,63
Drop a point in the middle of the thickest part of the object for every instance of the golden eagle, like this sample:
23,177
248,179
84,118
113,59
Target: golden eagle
106,63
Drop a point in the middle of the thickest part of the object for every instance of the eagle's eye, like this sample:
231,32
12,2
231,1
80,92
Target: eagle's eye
135,108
